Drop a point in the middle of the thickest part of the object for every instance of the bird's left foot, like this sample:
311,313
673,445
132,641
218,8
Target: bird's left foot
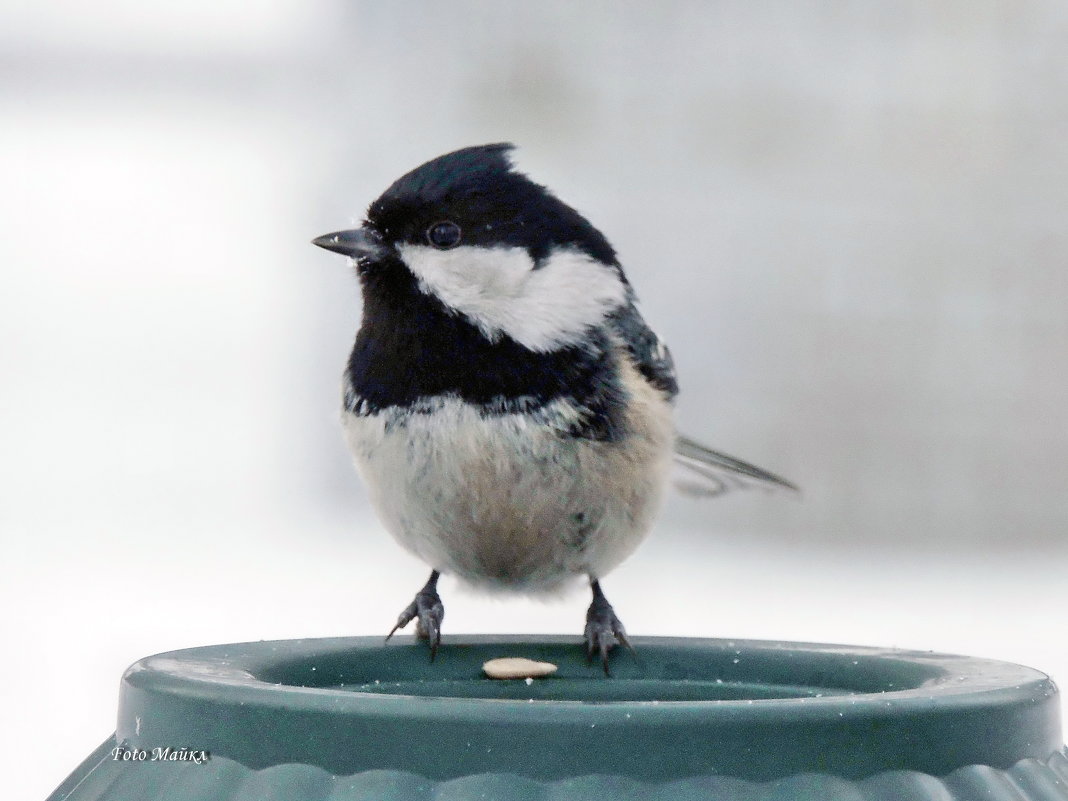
427,611
603,629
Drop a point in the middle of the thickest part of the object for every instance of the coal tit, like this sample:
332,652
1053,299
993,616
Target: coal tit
505,402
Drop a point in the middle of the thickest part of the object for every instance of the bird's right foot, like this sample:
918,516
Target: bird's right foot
427,611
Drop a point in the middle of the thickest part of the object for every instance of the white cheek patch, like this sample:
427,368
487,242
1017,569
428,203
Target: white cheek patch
499,291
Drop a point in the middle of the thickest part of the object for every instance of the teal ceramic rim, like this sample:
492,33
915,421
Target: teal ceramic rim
680,707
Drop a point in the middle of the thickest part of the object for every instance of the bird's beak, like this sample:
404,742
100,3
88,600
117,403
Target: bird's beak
359,243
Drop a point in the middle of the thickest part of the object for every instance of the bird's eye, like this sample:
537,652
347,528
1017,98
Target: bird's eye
443,235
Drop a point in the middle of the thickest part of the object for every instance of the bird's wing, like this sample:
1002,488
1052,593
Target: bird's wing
651,356
700,471
704,472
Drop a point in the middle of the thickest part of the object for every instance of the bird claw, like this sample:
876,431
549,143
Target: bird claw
603,629
428,612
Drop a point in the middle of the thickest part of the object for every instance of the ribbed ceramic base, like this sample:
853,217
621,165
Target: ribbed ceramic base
100,778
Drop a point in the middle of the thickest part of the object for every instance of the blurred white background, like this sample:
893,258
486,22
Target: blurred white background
848,220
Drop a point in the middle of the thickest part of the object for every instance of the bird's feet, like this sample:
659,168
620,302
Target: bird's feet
603,629
428,612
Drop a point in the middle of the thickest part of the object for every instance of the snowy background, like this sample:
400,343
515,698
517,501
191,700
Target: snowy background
847,219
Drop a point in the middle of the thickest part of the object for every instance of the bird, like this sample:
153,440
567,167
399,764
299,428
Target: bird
505,402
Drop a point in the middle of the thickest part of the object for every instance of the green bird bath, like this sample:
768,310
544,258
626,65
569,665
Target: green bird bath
740,720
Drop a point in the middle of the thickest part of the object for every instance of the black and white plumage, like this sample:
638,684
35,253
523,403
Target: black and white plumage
505,401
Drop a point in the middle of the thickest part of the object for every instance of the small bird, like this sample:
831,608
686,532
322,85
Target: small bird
505,402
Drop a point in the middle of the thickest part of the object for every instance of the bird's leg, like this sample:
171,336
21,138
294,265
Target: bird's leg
603,628
427,611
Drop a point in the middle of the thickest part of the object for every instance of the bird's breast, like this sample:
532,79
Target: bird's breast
512,499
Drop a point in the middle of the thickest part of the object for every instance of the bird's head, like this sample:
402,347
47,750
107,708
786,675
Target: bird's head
490,245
